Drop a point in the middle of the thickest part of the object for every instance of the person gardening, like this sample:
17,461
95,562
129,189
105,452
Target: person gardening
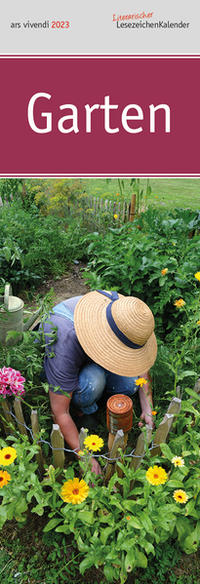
105,342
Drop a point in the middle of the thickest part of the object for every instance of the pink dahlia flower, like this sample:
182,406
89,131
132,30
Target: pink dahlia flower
11,382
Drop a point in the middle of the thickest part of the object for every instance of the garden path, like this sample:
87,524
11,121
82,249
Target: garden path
70,284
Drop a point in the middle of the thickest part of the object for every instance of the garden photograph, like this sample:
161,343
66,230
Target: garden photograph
100,381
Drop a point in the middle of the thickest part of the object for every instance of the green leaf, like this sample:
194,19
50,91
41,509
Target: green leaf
109,573
183,526
21,506
51,524
146,522
129,505
130,560
191,542
39,509
105,534
7,253
141,559
86,517
188,373
186,407
134,522
88,561
166,451
83,547
63,529
3,515
193,393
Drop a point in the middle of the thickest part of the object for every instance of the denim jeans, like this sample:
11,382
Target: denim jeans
93,380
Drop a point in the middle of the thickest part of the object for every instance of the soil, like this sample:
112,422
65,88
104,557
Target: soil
71,284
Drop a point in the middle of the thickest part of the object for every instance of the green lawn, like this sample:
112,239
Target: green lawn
169,193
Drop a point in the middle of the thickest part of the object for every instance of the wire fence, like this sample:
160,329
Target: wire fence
152,445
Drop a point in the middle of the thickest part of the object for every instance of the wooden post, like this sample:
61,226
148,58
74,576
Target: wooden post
20,417
132,207
57,442
36,431
165,426
83,434
118,443
7,419
143,439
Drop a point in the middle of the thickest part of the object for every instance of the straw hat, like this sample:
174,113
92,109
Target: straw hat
116,332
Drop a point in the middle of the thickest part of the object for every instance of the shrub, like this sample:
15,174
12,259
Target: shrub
34,247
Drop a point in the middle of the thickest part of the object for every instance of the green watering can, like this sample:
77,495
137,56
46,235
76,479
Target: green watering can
12,317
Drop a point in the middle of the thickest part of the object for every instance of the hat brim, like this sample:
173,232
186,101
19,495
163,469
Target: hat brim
102,345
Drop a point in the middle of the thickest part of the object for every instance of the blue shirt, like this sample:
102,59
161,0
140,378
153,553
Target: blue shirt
62,369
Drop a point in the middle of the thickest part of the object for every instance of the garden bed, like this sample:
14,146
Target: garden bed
27,556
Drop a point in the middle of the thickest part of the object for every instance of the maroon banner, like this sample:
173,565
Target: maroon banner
99,116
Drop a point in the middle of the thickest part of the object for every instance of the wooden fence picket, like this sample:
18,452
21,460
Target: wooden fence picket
165,426
36,430
83,434
118,443
19,416
120,440
143,440
57,443
7,419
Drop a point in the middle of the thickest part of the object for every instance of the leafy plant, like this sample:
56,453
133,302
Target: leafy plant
34,247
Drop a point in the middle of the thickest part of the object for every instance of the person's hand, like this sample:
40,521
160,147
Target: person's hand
95,467
147,418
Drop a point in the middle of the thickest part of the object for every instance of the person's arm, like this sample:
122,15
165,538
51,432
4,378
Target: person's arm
146,401
60,409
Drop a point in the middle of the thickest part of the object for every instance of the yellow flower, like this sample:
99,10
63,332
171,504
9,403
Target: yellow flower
164,271
141,381
197,276
93,442
178,461
153,412
128,517
179,303
115,216
156,475
74,491
4,478
7,455
180,496
198,321
80,453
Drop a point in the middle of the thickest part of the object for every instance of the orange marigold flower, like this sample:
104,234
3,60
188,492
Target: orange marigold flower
164,271
128,517
180,496
7,455
153,412
74,491
179,303
156,475
4,478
